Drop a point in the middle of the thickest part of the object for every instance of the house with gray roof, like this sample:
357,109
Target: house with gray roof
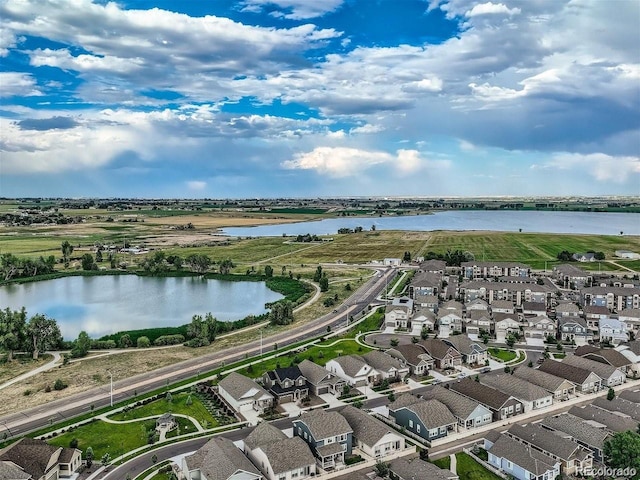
414,469
286,384
429,419
476,322
611,376
243,394
519,460
573,457
414,356
219,459
398,313
633,395
537,328
473,352
565,310
388,367
630,316
469,413
531,395
354,370
504,325
533,308
613,331
370,435
328,434
614,357
503,306
423,316
619,405
598,417
35,459
575,329
433,266
277,456
10,471
425,283
445,356
585,381
613,298
579,431
501,405
320,380
570,276
560,388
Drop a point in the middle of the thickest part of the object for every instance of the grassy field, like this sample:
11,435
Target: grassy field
504,355
178,405
20,364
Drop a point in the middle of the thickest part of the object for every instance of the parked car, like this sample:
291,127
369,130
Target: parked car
485,370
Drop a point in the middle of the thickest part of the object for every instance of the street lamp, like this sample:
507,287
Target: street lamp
111,389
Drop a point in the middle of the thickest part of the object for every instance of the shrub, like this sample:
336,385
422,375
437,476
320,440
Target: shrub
143,342
59,385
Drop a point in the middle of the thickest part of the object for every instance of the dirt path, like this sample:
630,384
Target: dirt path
288,253
43,368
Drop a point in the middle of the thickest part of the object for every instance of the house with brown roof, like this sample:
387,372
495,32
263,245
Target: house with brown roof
560,388
501,404
580,431
415,468
519,460
372,436
243,394
585,381
37,460
593,314
219,459
388,367
473,352
470,413
320,380
445,356
414,356
529,394
398,313
611,376
630,351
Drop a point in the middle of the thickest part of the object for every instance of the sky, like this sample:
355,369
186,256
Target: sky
307,98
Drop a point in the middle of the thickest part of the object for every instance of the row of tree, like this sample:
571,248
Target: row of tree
35,335
14,267
453,258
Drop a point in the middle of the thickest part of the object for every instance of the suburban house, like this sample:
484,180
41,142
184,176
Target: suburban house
397,314
585,381
613,331
477,305
370,435
425,283
414,356
574,329
328,434
614,422
560,388
423,317
473,352
414,468
243,394
388,367
520,461
34,459
505,324
533,308
593,314
620,406
570,276
449,321
219,459
429,419
631,352
565,310
584,257
277,456
478,321
573,456
613,298
530,395
503,306
354,370
611,376
501,405
433,266
445,356
470,413
630,316
631,395
583,433
475,269
538,328
286,384
319,380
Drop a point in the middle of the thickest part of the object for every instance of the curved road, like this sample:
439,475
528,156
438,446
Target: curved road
19,424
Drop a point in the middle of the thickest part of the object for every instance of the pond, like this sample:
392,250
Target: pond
463,220
106,304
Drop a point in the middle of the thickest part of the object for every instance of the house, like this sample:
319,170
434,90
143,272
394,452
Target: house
319,380
575,329
627,254
425,283
423,317
579,431
614,357
433,266
503,306
388,367
354,370
286,384
370,435
34,459
449,321
630,316
631,352
565,310
414,356
505,325
613,331
429,419
502,406
529,394
397,314
219,459
560,388
392,262
520,461
585,381
611,376
478,321
584,257
328,434
620,406
573,457
613,298
469,413
473,352
538,328
533,308
445,356
475,269
429,302
243,394
614,422
477,305
631,395
570,276
414,468
277,456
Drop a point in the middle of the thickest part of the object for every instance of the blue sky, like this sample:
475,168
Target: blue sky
271,98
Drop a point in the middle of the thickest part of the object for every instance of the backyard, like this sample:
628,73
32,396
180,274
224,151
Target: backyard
467,468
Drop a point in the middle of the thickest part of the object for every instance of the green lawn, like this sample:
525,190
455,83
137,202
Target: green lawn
184,426
468,469
106,437
444,462
178,405
501,354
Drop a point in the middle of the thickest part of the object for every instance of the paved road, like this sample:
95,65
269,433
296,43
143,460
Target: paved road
29,420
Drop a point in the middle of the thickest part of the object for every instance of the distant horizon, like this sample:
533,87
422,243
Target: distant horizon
332,98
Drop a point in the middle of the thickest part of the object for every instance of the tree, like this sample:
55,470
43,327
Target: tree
198,263
324,284
599,256
281,313
67,249
43,333
125,341
406,257
143,342
414,340
318,274
99,255
154,459
105,460
81,346
623,450
347,287
88,456
424,333
225,266
88,263
394,342
13,330
382,469
268,271
511,340
611,394
168,397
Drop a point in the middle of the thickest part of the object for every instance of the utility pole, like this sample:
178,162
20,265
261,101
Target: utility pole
260,342
111,389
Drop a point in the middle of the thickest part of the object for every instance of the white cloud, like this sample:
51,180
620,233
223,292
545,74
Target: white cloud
196,185
602,167
491,8
367,129
297,9
18,84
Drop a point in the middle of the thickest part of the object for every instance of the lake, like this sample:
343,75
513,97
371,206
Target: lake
106,304
530,221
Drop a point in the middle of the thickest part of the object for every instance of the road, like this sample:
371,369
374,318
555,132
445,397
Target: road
21,423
